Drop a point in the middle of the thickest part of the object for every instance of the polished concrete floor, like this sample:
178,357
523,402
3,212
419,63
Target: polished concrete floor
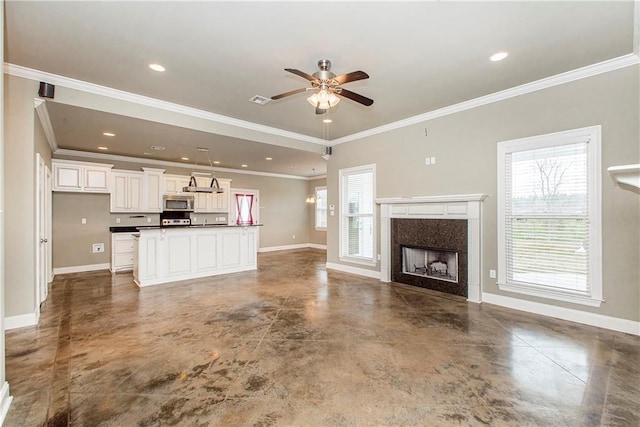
293,344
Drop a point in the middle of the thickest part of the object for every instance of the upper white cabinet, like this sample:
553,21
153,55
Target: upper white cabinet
136,191
152,190
173,184
126,191
80,176
213,202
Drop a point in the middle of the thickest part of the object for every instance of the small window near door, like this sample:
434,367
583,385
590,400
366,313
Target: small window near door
244,203
321,208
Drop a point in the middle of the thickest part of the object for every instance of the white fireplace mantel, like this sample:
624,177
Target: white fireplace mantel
459,206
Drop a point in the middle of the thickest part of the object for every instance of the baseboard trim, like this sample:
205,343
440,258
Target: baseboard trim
289,247
81,268
578,316
5,401
21,321
353,270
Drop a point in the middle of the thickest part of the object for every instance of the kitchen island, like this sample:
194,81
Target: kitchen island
169,254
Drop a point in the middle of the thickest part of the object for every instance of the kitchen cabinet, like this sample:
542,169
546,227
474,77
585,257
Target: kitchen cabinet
165,255
122,252
85,177
213,202
126,191
152,190
173,184
133,191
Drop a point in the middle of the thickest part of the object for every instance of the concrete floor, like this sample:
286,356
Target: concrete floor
291,344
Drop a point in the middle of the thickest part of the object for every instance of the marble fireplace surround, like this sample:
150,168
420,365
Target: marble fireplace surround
460,206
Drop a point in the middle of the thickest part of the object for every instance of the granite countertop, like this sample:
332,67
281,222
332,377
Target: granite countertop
129,228
173,227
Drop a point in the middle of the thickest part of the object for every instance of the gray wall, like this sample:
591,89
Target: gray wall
19,196
283,212
464,145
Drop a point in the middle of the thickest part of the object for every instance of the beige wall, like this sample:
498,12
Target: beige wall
464,145
19,197
72,240
317,237
282,206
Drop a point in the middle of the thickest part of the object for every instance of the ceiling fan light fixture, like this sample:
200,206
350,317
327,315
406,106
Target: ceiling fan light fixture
323,99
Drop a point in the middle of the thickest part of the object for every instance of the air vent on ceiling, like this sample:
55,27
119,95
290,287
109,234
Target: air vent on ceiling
259,100
158,147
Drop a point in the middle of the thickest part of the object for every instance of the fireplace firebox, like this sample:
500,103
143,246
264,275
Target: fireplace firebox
438,264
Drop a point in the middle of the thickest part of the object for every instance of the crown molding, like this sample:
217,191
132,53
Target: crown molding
31,74
139,160
45,120
548,82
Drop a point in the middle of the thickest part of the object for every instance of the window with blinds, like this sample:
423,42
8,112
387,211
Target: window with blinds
549,200
357,207
321,208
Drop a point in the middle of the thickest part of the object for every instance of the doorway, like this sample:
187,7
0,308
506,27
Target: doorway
44,273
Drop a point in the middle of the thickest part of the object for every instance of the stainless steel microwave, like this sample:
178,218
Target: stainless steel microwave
178,203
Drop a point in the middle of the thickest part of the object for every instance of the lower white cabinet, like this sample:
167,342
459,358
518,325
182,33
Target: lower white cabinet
122,251
172,254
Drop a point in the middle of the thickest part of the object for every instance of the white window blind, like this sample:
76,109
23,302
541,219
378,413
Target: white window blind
357,208
549,224
547,217
321,208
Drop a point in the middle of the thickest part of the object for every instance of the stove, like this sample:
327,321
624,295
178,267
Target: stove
173,222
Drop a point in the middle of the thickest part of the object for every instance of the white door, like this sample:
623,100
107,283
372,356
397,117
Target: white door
42,235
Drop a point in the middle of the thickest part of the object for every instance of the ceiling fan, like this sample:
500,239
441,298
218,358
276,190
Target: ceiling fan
327,87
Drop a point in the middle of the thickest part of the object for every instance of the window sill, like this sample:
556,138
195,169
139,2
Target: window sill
575,298
361,261
321,228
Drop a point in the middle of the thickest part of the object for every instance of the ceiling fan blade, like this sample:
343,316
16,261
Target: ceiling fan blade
292,92
352,77
355,97
301,74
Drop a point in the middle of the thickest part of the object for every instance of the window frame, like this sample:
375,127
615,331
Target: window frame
591,135
345,215
316,209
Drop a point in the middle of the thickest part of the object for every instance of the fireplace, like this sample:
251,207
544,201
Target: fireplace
437,264
430,253
450,223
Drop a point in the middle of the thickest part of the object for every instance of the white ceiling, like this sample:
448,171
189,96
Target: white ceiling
421,56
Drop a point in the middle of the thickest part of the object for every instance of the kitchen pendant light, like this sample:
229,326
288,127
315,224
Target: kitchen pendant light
193,187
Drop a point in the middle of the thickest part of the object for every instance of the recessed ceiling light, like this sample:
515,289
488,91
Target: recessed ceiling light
203,149
102,148
108,134
268,158
157,67
158,147
327,121
184,158
499,56
216,162
244,166
146,154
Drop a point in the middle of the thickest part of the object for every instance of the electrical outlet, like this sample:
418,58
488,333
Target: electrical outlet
117,220
195,219
148,219
98,248
433,160
492,274
84,220
294,237
427,161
